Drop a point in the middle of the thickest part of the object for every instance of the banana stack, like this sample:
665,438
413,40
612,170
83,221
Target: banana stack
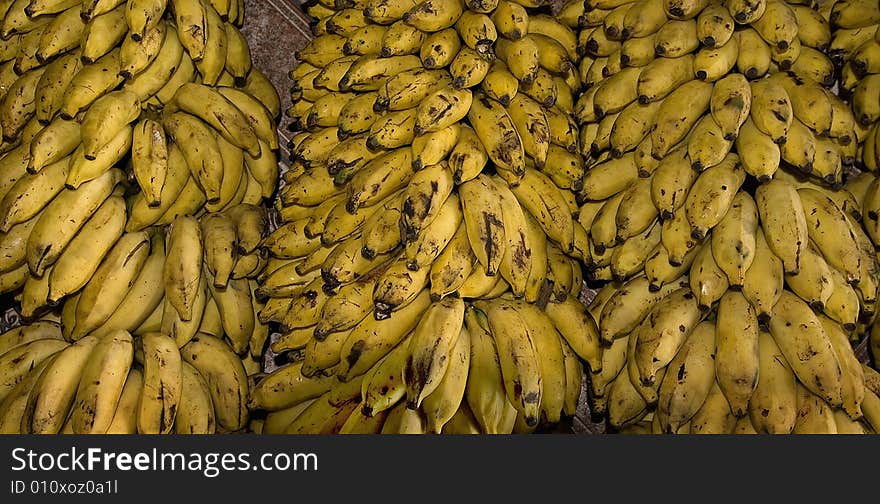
163,338
116,117
727,239
139,150
427,269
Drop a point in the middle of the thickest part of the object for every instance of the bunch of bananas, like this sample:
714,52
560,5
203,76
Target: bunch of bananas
139,149
163,338
117,116
427,269
736,271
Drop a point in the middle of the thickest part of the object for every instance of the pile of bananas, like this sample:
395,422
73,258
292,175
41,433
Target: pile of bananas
159,340
724,231
139,153
104,99
427,270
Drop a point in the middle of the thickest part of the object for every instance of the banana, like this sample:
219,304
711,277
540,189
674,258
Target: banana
82,169
843,304
772,407
852,377
520,366
236,311
191,20
329,76
30,194
483,218
86,85
671,182
632,126
103,378
162,71
549,349
714,416
398,286
551,27
184,72
813,283
730,104
82,257
141,16
617,91
372,339
227,118
287,387
162,384
682,393
821,373
221,247
831,231
102,33
195,412
149,152
577,326
183,265
200,149
783,220
346,309
737,357
676,38
608,178
423,197
384,386
117,272
22,334
629,257
636,211
18,105
733,239
48,239
754,56
712,194
484,390
625,405
321,417
511,20
107,116
626,308
54,142
52,394
177,178
225,376
365,40
257,115
400,39
813,414
62,34
671,127
453,265
431,347
545,202
520,56
660,336
369,72
433,16
713,64
212,63
406,89
662,76
145,295
469,68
